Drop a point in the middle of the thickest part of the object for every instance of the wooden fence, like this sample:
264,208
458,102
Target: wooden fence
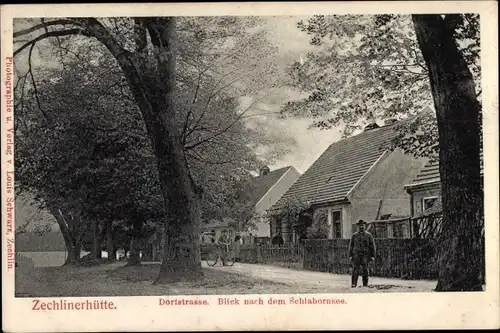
398,258
286,253
395,258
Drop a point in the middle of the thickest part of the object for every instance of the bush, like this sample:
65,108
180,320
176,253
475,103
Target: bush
319,228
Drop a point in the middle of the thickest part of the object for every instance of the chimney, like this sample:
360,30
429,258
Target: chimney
371,126
389,122
264,171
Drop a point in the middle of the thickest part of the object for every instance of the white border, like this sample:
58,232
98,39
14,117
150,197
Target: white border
378,311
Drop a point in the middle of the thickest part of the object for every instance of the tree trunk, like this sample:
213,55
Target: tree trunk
110,248
72,240
457,111
181,256
103,232
152,79
96,241
74,253
134,258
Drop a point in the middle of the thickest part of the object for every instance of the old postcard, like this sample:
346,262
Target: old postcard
250,166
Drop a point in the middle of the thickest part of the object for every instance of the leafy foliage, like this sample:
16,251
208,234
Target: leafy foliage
290,211
368,68
89,156
319,228
105,153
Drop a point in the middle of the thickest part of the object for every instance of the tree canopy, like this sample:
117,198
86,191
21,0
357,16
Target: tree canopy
370,67
83,144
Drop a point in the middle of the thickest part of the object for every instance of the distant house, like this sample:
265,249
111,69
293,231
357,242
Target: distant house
355,178
262,192
425,191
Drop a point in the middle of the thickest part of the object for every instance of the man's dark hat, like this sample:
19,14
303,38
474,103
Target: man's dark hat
361,222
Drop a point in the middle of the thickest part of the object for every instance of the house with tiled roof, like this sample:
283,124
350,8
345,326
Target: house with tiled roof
355,178
425,189
262,192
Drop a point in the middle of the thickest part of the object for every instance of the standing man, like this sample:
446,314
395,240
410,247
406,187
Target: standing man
361,252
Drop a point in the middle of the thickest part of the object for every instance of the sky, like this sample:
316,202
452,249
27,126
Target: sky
310,142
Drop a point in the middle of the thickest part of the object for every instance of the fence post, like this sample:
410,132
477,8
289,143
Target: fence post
302,253
258,257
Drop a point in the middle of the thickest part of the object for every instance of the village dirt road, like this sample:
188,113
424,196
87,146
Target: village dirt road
322,281
117,280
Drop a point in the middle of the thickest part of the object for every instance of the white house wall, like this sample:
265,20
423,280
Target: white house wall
347,229
263,229
277,190
385,181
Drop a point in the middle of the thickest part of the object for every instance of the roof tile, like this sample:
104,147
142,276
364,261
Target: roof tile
430,172
260,185
340,167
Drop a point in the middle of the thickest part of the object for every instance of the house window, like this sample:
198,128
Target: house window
428,203
337,224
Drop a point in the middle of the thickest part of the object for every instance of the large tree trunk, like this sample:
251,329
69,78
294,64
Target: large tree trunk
134,258
457,112
110,247
72,238
74,253
96,241
154,94
151,79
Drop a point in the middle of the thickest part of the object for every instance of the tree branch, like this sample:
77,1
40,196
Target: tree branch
185,127
43,25
197,88
140,35
58,33
30,71
224,130
212,95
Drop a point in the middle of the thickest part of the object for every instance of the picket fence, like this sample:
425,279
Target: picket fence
395,258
